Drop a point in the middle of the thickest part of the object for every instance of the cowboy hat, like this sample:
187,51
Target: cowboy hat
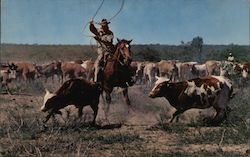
104,22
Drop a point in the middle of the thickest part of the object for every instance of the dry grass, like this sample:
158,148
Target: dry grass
144,131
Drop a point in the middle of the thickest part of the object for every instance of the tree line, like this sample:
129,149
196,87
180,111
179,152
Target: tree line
189,51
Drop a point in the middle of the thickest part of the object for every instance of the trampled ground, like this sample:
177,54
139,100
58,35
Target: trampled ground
143,131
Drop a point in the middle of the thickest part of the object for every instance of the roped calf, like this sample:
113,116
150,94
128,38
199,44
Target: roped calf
78,92
201,93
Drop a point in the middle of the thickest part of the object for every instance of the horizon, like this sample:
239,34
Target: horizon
165,22
141,44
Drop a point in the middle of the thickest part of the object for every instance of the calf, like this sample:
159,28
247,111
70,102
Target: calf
201,93
78,92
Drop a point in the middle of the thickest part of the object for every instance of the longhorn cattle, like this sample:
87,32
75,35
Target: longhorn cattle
78,92
201,93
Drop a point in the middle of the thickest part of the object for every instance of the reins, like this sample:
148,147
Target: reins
116,58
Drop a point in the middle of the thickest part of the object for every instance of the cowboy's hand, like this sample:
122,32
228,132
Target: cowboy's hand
91,21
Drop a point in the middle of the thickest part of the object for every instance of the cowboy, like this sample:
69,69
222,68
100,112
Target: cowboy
230,58
104,37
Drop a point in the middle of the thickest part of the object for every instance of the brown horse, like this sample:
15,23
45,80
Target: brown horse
117,71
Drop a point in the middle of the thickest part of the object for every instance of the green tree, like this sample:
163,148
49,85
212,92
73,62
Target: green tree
197,44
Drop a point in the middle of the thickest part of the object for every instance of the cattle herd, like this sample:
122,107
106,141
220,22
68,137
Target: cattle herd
185,85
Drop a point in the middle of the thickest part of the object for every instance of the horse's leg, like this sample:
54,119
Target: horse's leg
108,97
125,94
108,100
95,109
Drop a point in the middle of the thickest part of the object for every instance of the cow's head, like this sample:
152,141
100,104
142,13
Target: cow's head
98,86
12,68
47,101
160,87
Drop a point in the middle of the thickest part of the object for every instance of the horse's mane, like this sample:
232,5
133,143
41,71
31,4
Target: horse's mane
118,43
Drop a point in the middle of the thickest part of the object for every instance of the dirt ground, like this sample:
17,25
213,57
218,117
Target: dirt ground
142,130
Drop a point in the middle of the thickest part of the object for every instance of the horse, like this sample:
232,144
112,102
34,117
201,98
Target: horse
117,71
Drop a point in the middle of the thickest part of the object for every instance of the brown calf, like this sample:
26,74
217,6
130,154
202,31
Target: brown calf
78,92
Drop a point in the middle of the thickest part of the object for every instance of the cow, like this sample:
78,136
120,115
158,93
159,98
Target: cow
50,69
88,65
150,71
25,70
78,92
78,61
139,71
169,69
199,70
245,70
201,93
233,68
7,74
213,67
185,70
138,67
73,70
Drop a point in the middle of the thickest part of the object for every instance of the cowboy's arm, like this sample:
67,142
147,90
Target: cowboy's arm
107,38
93,29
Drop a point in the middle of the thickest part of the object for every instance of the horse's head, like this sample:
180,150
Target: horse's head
123,48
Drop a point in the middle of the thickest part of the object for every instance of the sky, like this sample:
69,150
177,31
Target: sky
144,21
